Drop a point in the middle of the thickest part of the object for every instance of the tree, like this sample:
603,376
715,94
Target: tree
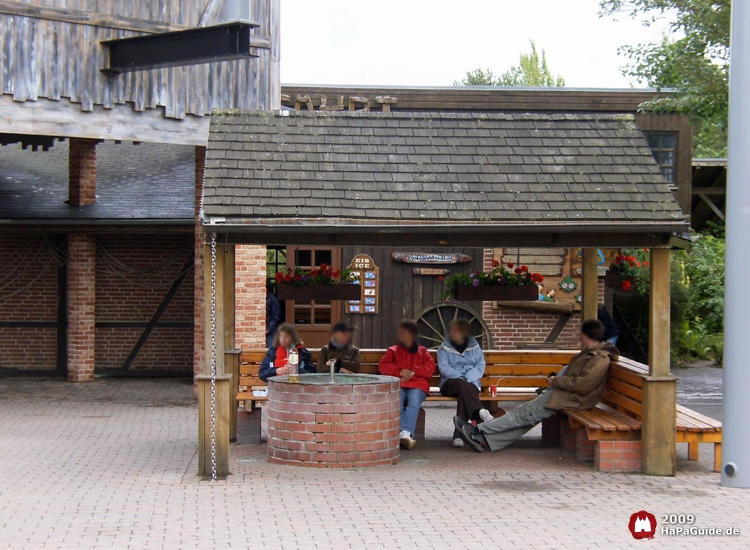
694,61
532,70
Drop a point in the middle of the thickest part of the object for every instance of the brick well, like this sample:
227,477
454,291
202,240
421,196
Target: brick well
333,425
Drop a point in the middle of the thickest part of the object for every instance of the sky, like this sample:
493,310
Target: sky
433,43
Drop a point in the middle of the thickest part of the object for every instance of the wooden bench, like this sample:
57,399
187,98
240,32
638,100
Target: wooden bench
610,434
516,374
613,428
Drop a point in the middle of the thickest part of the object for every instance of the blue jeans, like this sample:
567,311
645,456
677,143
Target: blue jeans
411,402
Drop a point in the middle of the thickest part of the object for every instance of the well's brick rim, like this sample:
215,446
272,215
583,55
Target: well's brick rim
334,425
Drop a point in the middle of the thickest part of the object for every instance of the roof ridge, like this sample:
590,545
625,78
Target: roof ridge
432,115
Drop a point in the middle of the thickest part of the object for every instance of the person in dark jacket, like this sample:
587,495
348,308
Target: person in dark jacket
273,315
276,361
461,364
611,331
414,365
339,349
580,387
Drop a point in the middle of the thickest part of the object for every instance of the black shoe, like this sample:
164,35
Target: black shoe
468,433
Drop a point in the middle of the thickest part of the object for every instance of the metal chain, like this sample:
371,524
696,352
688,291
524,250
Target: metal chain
213,357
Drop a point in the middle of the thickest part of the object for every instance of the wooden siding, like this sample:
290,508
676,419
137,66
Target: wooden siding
61,60
463,98
402,294
680,125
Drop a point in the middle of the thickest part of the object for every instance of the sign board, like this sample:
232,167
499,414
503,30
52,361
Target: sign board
430,258
364,270
433,271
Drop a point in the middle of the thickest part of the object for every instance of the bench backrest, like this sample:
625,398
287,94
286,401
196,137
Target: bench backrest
509,369
624,390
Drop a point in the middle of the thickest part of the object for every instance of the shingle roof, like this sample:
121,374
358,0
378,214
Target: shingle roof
499,169
135,184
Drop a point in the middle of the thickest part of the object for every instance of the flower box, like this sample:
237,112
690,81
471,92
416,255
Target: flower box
614,280
496,293
319,292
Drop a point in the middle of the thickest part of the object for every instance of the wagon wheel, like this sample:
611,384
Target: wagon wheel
433,324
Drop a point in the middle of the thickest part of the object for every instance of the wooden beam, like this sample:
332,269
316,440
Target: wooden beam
65,119
658,432
712,205
590,283
221,425
219,311
82,17
709,191
659,311
229,296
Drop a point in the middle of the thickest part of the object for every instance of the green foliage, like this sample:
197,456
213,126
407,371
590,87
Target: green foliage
694,61
705,277
532,70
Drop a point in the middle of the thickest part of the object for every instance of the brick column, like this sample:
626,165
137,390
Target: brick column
198,309
82,172
81,307
250,298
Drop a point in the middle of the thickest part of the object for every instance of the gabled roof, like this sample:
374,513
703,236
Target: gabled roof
142,184
434,172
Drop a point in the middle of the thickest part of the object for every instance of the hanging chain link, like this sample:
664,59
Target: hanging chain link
213,357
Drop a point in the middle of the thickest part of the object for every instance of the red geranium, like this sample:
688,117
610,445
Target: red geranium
627,285
510,265
323,266
645,264
279,277
441,278
524,269
518,271
537,278
287,278
495,263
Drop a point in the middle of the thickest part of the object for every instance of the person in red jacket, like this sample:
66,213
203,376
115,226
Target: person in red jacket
414,365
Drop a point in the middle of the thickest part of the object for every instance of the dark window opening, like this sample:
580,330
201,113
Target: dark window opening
664,149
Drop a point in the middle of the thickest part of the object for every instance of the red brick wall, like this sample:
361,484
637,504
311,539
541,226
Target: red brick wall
199,280
28,293
250,296
123,297
82,172
81,307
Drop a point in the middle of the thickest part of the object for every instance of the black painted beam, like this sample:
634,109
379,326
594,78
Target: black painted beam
189,47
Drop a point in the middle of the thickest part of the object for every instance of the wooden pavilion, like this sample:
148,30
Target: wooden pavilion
437,179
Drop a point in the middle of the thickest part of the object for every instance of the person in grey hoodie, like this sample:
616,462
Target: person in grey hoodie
461,364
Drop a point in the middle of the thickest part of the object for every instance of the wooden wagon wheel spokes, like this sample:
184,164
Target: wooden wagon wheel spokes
433,323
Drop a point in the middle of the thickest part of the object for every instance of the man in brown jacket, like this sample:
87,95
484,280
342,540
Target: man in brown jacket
339,349
578,386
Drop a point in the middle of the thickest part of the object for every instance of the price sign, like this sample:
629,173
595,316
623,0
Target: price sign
364,269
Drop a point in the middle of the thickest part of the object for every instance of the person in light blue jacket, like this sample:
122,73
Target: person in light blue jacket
461,364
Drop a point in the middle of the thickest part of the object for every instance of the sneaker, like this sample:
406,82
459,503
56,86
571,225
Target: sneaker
458,442
406,440
486,415
467,431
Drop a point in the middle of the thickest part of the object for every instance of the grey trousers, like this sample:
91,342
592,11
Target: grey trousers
503,431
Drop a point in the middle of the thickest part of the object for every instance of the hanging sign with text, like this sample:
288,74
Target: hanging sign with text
362,268
430,258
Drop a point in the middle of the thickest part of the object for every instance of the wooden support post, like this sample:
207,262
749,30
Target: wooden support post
223,389
658,433
659,358
590,291
229,297
232,366
220,303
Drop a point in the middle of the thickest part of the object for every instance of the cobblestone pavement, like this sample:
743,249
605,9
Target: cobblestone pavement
111,464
